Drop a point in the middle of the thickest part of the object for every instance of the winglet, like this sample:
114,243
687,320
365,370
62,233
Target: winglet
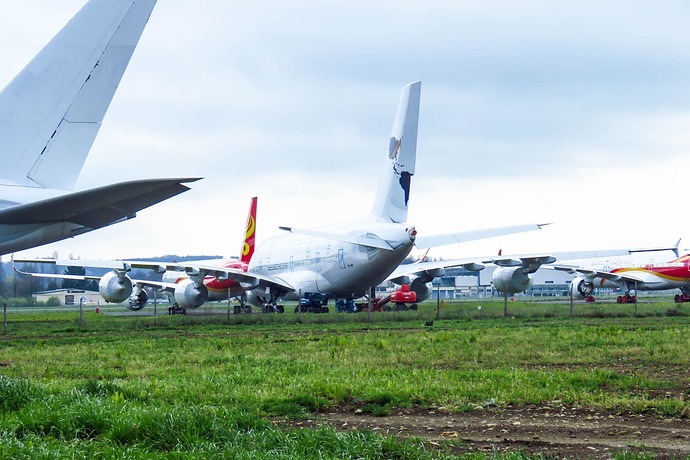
394,189
249,233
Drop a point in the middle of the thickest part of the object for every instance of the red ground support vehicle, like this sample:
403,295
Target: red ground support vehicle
400,298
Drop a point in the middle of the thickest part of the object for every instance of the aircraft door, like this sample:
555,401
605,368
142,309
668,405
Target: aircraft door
341,258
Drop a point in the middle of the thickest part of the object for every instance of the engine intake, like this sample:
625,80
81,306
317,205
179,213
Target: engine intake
579,287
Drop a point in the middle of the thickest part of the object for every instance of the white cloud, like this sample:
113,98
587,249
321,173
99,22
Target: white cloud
571,112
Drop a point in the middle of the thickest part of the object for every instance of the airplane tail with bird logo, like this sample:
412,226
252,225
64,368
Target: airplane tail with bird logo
249,233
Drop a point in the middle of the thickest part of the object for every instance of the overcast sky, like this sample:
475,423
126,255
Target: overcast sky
571,112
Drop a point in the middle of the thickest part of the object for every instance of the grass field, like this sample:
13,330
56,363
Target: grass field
211,387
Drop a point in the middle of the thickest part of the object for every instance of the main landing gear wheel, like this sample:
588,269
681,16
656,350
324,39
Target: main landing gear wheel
272,309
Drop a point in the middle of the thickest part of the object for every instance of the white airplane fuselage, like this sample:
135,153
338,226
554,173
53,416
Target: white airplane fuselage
330,266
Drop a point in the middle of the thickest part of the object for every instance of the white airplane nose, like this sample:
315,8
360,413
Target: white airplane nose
412,232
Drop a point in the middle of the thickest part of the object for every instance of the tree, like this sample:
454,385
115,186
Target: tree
86,285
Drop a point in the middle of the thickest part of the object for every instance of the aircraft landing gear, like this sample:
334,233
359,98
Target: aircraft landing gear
272,308
681,298
177,310
590,299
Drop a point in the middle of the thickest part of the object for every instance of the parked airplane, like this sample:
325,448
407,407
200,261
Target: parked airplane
50,114
180,279
629,277
512,275
341,261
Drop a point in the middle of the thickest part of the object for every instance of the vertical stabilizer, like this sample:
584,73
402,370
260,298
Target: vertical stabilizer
249,234
52,110
394,189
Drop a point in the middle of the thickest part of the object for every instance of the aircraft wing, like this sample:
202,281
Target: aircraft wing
590,273
424,242
98,207
196,271
431,269
530,261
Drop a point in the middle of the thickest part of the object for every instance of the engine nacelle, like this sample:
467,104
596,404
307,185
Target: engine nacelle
114,287
581,288
423,289
138,299
189,295
511,280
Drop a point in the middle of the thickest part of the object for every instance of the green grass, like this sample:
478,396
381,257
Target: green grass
203,386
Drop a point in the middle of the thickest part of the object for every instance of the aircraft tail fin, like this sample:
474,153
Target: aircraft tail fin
394,189
52,110
249,233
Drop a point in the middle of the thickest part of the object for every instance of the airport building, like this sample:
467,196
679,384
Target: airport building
71,297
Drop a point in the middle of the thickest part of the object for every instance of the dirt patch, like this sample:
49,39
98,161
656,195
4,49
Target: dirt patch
552,430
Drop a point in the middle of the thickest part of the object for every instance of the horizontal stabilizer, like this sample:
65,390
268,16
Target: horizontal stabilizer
431,241
352,239
98,207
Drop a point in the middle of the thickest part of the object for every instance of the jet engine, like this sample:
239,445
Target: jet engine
189,294
421,282
511,280
115,286
580,287
138,299
421,288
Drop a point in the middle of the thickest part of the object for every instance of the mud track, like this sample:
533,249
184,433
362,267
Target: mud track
553,430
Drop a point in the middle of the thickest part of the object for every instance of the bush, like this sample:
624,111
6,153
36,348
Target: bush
53,301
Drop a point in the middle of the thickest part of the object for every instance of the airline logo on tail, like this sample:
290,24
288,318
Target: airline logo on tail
394,190
249,233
